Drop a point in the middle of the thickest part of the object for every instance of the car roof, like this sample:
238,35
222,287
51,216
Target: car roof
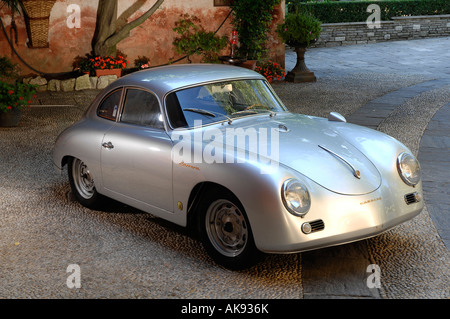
164,79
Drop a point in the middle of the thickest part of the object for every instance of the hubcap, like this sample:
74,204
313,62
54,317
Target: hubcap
84,183
226,228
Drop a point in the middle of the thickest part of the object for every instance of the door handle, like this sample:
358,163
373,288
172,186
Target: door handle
108,145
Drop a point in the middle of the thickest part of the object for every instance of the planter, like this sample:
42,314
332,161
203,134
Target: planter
37,21
300,73
116,72
11,118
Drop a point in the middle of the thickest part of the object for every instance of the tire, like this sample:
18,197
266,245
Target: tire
82,184
225,231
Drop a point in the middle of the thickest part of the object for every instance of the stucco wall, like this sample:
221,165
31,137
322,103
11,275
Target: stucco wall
153,38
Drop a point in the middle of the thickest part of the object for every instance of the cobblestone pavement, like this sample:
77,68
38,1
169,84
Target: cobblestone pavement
124,253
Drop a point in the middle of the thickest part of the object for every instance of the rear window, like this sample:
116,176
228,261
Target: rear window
141,108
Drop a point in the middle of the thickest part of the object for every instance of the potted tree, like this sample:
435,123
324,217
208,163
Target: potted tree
299,30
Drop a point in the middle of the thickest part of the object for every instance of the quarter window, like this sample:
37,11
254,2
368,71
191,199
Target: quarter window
109,107
141,108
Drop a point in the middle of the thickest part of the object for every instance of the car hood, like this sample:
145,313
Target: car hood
311,147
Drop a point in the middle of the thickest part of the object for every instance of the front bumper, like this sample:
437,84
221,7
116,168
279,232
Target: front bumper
343,219
345,237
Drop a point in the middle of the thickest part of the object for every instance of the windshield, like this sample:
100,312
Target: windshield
217,102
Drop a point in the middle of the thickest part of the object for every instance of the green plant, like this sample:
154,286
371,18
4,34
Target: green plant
13,5
8,69
84,64
15,95
356,11
271,70
194,39
252,20
299,29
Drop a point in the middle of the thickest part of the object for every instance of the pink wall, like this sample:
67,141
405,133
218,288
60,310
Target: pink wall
153,38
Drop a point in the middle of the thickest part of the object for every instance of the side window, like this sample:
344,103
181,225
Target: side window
110,105
141,108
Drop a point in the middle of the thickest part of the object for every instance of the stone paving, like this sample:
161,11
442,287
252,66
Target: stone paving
124,253
434,155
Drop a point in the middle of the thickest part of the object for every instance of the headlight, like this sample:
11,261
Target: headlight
408,168
295,197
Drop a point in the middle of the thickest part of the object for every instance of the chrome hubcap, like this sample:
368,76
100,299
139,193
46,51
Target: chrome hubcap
83,180
226,228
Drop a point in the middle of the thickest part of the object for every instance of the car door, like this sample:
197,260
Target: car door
136,155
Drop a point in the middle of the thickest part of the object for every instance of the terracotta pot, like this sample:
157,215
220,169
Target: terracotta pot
11,118
117,72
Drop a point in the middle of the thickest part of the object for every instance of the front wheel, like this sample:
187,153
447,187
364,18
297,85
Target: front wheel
82,183
225,232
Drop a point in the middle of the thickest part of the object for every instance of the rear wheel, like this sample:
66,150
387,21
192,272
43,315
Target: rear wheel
82,183
225,231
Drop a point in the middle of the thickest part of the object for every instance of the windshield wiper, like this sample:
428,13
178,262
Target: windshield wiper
200,111
209,113
252,111
245,111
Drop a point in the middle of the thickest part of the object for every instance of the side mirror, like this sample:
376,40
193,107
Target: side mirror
336,117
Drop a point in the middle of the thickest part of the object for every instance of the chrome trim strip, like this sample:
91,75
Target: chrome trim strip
356,173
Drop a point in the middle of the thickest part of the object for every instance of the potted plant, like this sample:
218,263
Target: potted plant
299,30
109,65
83,64
13,94
270,70
252,20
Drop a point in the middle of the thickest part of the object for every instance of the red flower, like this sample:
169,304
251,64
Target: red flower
9,108
20,98
10,92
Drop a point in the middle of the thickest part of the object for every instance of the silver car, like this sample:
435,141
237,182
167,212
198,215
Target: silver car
213,147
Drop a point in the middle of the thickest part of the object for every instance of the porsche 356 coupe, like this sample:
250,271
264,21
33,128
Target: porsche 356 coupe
213,147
